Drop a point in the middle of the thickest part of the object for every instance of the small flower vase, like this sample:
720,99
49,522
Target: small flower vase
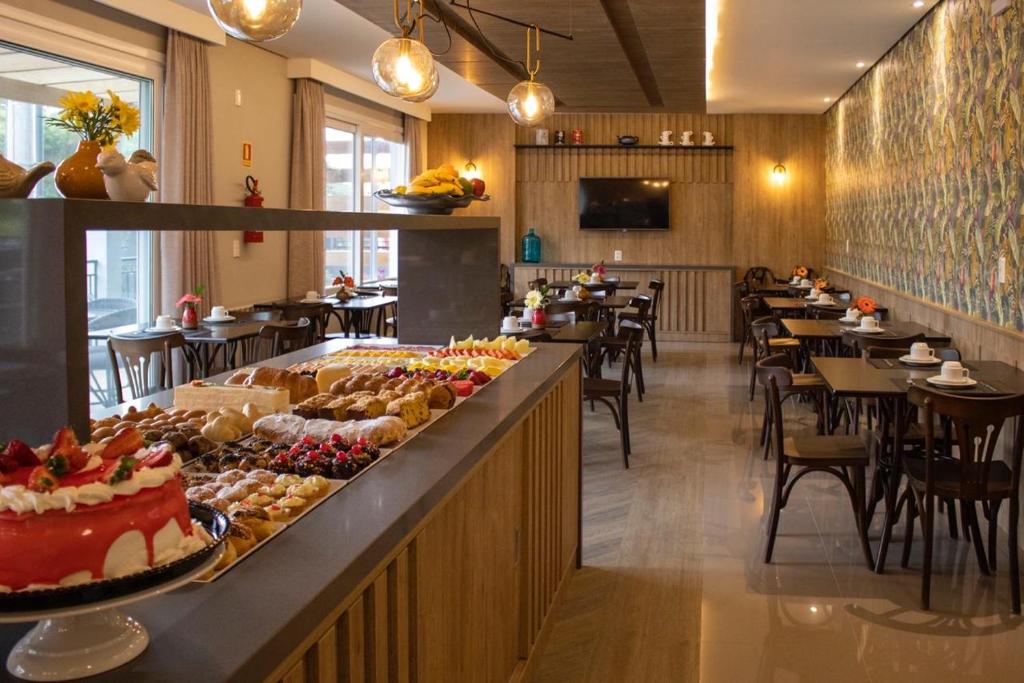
189,317
77,176
540,319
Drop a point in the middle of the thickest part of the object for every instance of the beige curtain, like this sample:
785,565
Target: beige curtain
186,259
308,186
416,145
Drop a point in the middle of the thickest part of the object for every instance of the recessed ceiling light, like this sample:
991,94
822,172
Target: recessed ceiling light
918,3
828,99
860,65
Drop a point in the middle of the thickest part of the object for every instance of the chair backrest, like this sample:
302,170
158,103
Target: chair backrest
537,284
136,356
286,336
976,425
606,287
946,353
505,278
759,276
657,287
777,365
765,328
844,297
643,305
859,342
822,313
318,315
631,333
266,315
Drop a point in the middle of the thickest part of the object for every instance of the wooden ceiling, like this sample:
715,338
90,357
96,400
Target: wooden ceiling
626,55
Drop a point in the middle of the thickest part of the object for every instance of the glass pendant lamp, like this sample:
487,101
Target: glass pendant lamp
530,102
255,20
403,67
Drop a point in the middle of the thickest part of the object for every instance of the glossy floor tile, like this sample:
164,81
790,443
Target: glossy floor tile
674,587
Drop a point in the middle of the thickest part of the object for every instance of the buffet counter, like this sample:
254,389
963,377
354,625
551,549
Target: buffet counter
441,563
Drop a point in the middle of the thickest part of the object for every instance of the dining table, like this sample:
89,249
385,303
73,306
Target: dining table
800,305
359,309
203,344
888,381
619,284
830,332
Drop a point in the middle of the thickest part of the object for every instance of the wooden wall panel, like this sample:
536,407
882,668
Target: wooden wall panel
781,225
695,301
486,140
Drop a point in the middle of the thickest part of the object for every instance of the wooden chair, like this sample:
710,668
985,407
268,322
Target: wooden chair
759,276
537,284
843,457
615,393
767,341
387,317
137,355
800,385
286,336
248,349
612,350
507,295
650,322
859,342
318,315
751,307
975,477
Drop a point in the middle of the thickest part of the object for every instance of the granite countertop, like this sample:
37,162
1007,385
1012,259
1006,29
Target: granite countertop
242,626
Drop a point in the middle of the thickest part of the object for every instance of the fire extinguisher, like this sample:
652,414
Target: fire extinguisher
253,200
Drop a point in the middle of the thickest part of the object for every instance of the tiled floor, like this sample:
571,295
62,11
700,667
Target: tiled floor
674,587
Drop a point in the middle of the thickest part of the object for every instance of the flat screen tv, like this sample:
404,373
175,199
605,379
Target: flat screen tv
624,204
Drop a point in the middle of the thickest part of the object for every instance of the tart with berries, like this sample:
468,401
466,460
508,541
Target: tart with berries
73,513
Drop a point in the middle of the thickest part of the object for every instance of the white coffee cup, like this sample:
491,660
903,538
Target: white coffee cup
806,283
921,351
868,322
312,295
825,298
570,295
795,280
815,293
952,371
219,312
164,322
510,322
853,313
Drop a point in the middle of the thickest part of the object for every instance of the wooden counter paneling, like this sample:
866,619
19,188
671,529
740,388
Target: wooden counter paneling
469,595
696,302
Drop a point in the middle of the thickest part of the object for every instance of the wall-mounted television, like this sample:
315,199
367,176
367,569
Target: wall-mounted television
624,204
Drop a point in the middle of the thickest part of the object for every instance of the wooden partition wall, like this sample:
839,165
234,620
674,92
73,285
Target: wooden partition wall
468,596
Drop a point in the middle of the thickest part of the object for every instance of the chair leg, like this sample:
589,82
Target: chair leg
744,340
927,524
859,486
993,532
954,533
979,544
624,416
654,341
1014,550
624,436
773,525
908,532
753,372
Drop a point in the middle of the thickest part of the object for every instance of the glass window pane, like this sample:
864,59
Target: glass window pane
383,166
118,272
341,196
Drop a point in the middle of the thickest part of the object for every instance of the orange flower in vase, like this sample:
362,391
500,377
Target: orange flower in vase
800,272
866,305
821,284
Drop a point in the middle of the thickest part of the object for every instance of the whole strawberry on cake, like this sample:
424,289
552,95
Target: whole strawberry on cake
73,513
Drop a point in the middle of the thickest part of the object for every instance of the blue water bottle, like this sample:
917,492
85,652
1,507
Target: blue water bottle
531,247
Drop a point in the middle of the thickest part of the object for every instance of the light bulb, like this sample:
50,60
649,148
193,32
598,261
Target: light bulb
255,20
530,102
779,174
403,67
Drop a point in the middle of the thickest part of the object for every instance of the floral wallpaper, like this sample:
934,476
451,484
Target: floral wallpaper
925,165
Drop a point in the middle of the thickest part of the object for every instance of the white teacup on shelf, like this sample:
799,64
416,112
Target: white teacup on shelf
921,351
953,371
868,322
164,322
853,314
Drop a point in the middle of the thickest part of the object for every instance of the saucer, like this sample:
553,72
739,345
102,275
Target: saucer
225,319
909,360
175,328
311,301
512,330
567,300
823,303
938,381
849,321
866,330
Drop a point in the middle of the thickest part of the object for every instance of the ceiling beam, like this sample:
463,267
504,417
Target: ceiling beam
468,32
621,18
342,80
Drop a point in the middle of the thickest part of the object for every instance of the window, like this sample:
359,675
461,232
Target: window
118,264
357,165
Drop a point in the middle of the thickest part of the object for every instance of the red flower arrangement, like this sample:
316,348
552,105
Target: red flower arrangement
189,299
800,271
866,305
821,283
344,280
599,269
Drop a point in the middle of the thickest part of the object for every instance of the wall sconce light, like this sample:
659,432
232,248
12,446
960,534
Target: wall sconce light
779,174
470,171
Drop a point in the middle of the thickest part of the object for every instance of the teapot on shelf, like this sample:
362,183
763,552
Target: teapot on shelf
627,140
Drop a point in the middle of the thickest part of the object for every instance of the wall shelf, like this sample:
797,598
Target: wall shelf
664,148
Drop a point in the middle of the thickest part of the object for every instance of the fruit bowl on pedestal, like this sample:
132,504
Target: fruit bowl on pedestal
437,204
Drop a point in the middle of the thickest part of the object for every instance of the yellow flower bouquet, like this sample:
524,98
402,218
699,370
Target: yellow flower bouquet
92,118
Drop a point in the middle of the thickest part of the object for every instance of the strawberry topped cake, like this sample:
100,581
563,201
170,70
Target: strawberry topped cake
72,513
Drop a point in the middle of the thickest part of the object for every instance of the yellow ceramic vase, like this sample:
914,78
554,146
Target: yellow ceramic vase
77,176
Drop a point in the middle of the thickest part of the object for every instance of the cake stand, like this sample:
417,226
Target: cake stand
77,640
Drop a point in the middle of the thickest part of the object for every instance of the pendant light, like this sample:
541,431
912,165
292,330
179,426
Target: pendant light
403,67
530,102
255,20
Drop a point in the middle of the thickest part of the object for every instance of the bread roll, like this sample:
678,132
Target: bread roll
300,387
